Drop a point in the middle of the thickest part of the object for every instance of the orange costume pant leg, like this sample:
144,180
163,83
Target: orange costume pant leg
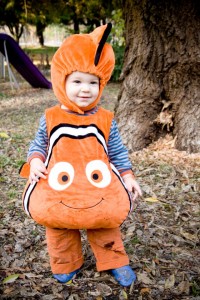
65,251
64,247
108,248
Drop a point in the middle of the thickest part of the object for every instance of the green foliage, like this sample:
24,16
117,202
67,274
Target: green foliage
195,288
118,42
2,95
118,27
12,194
4,161
13,14
17,14
135,241
91,13
42,14
119,54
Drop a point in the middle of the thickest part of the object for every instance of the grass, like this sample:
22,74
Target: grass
40,50
12,194
2,95
195,288
39,53
4,161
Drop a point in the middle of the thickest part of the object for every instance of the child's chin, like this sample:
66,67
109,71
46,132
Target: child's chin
83,105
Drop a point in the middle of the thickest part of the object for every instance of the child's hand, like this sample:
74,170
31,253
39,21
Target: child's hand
37,170
132,185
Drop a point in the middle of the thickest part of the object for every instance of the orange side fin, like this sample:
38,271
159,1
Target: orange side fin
24,170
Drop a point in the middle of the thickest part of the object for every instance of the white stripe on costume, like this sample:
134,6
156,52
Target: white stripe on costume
26,197
75,132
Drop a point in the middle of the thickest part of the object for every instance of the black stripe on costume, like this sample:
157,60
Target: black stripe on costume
74,132
102,43
72,137
119,177
76,127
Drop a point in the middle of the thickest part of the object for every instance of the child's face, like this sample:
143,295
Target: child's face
82,88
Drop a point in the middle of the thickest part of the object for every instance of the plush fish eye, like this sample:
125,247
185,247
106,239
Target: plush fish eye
61,176
98,174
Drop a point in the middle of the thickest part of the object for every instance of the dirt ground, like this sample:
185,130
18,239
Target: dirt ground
161,236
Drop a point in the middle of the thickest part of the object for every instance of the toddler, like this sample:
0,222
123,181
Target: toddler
79,173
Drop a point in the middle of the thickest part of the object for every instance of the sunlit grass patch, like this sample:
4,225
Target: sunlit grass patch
4,161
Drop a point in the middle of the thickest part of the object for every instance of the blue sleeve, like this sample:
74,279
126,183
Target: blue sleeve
117,152
40,143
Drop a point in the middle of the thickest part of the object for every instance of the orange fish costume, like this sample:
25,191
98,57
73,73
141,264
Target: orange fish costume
83,190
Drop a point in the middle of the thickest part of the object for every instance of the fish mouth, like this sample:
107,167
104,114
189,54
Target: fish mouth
83,207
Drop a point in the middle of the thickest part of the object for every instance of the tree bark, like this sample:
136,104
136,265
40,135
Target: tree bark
40,27
76,26
160,90
16,30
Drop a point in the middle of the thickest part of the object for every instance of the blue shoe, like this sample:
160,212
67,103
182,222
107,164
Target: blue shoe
63,278
124,275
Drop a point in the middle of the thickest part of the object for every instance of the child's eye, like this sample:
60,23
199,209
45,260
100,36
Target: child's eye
76,81
94,82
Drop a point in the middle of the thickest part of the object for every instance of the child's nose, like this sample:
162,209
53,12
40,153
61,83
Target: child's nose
85,87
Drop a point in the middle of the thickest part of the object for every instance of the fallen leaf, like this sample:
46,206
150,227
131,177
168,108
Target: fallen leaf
74,297
188,236
11,278
104,289
4,135
69,282
94,293
183,287
169,283
142,277
123,295
8,290
31,275
145,291
151,199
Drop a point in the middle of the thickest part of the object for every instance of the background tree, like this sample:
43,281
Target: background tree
18,13
90,13
72,14
161,74
13,15
44,13
118,42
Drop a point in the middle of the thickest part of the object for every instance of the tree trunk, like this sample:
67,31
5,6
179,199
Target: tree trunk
16,31
76,24
160,90
40,27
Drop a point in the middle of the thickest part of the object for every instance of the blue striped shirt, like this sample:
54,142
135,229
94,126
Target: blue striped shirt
117,153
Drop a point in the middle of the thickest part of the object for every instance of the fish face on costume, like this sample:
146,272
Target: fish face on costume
78,193
97,174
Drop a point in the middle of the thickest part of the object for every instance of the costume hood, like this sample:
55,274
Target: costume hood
87,53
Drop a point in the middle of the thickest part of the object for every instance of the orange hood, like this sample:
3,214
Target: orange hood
84,53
